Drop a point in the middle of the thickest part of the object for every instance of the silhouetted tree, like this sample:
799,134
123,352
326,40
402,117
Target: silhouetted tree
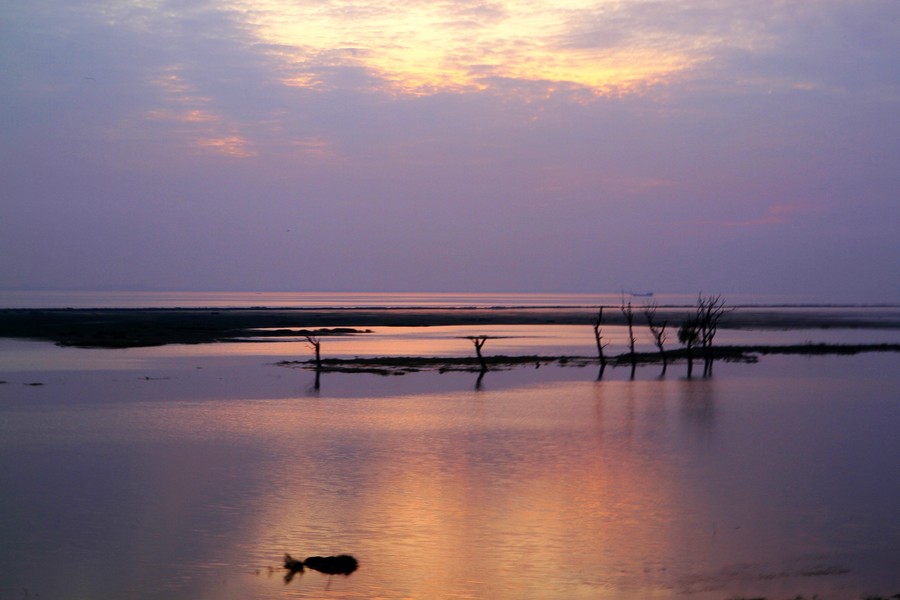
658,330
316,344
710,310
628,313
688,334
478,341
598,321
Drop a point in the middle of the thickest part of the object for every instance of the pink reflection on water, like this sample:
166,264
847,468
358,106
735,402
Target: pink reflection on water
746,483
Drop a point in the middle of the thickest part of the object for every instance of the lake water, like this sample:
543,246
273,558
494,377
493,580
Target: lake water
188,471
181,299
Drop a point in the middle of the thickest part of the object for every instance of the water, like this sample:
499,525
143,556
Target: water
97,299
187,471
188,476
446,341
51,299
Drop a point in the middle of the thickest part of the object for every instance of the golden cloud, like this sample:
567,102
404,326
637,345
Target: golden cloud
418,47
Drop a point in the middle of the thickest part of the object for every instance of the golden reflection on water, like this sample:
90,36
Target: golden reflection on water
511,340
450,340
578,489
504,495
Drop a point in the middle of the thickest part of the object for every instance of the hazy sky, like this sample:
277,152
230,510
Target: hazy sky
460,145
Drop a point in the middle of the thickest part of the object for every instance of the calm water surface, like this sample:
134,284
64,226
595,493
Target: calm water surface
188,476
447,341
181,299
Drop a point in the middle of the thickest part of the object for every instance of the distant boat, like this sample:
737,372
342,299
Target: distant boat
642,294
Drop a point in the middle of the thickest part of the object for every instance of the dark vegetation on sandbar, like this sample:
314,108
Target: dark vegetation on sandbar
127,328
124,328
400,365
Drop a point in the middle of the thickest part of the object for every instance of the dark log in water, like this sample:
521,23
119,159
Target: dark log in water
342,564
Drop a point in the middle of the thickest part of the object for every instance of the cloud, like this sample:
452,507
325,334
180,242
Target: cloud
427,47
193,118
776,214
317,147
452,132
233,145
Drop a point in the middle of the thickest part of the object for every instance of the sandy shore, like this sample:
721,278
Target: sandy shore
121,328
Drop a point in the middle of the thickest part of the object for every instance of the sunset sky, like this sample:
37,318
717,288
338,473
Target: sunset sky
466,145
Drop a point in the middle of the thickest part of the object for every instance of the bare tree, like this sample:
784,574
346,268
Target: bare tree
598,321
478,341
688,335
710,310
658,330
316,345
628,313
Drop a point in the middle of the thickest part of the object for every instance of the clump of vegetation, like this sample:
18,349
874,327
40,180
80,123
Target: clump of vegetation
710,311
701,327
399,365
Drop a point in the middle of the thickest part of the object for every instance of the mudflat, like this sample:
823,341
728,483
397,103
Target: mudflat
123,328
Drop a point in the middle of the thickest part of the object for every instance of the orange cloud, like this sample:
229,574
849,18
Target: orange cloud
776,214
421,47
232,145
195,120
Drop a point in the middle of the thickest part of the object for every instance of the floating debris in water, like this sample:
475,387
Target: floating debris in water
343,564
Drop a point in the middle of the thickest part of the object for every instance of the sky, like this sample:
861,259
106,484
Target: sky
466,145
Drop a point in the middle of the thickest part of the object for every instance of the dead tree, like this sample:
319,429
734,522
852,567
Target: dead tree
478,341
598,320
628,313
688,334
658,330
316,344
709,312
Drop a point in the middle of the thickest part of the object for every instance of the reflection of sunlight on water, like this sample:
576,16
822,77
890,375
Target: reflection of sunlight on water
611,489
482,494
496,492
28,355
448,341
509,340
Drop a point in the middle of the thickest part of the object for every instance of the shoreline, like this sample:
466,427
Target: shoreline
128,327
401,365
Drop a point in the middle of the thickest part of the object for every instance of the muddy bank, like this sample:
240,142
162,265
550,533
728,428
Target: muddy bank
123,328
400,365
